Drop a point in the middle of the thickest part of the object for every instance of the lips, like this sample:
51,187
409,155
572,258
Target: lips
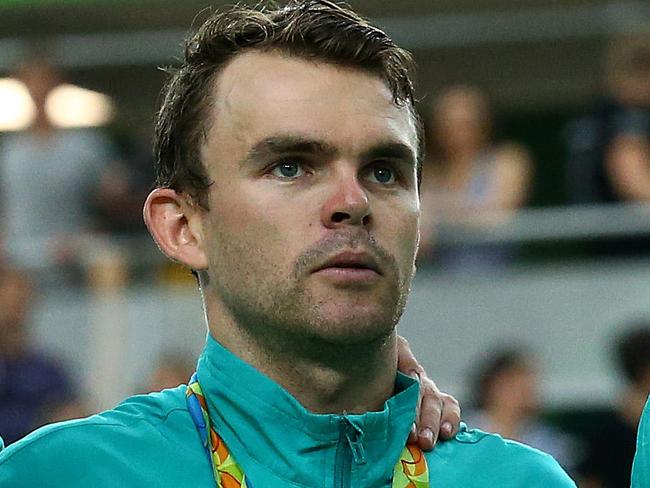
351,260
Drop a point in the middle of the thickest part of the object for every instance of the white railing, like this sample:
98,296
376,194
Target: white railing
552,224
101,255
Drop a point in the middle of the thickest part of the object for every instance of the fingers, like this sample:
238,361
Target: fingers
438,414
408,365
429,414
413,435
450,418
406,361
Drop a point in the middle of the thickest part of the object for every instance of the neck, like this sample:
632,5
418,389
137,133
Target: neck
324,377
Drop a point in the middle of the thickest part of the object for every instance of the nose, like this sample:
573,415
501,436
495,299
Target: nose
347,204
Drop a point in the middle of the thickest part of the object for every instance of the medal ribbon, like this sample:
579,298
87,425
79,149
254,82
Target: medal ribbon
411,470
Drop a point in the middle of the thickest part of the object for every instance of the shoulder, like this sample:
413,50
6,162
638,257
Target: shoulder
136,414
490,460
61,449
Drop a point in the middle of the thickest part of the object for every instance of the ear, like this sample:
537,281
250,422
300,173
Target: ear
176,226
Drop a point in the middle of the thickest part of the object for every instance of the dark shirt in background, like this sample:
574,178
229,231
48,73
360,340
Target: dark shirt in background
610,452
27,386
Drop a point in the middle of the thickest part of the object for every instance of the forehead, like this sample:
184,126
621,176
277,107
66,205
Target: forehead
260,93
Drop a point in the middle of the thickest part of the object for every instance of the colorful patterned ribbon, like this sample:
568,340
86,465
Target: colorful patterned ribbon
411,470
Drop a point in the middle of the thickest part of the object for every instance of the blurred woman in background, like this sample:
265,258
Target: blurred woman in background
469,181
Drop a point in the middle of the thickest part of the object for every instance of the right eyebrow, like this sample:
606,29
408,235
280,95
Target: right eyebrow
288,144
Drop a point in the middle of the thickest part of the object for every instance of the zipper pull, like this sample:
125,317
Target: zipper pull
354,436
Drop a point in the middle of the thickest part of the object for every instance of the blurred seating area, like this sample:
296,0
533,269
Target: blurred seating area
532,298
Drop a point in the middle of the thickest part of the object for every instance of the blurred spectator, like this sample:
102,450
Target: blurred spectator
609,148
467,179
49,178
122,192
172,369
610,450
507,402
30,382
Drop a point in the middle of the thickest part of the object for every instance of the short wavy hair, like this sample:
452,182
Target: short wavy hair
319,30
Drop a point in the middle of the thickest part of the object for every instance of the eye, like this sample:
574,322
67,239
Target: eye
383,174
288,170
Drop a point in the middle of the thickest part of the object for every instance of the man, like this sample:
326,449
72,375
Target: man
287,158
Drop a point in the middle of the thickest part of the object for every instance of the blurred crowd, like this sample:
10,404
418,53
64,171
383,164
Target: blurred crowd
69,195
507,399
61,188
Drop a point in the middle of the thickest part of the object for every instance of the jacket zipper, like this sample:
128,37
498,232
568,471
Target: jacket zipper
348,449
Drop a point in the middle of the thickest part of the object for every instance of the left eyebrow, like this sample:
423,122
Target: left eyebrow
391,150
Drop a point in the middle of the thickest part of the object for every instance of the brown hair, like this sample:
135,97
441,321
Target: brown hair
318,30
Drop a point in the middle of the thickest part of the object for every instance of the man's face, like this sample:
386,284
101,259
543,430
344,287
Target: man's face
309,161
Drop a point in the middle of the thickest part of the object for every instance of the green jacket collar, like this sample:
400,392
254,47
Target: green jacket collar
271,435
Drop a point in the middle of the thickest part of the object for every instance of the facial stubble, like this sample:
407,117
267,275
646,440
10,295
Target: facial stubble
295,311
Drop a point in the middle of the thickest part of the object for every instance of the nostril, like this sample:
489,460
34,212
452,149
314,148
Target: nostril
338,217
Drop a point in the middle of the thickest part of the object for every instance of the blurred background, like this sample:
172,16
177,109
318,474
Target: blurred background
532,300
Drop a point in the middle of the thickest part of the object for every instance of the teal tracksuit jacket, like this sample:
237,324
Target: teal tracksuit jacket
641,467
151,441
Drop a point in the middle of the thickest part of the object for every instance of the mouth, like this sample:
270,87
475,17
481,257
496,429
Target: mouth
349,266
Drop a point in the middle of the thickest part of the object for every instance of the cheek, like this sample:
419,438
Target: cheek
248,230
406,227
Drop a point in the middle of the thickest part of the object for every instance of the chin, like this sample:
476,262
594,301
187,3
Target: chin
350,319
355,327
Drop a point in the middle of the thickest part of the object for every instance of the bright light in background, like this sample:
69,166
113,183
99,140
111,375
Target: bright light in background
73,106
67,106
16,106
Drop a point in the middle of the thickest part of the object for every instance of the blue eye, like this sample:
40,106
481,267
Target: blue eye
287,169
383,175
